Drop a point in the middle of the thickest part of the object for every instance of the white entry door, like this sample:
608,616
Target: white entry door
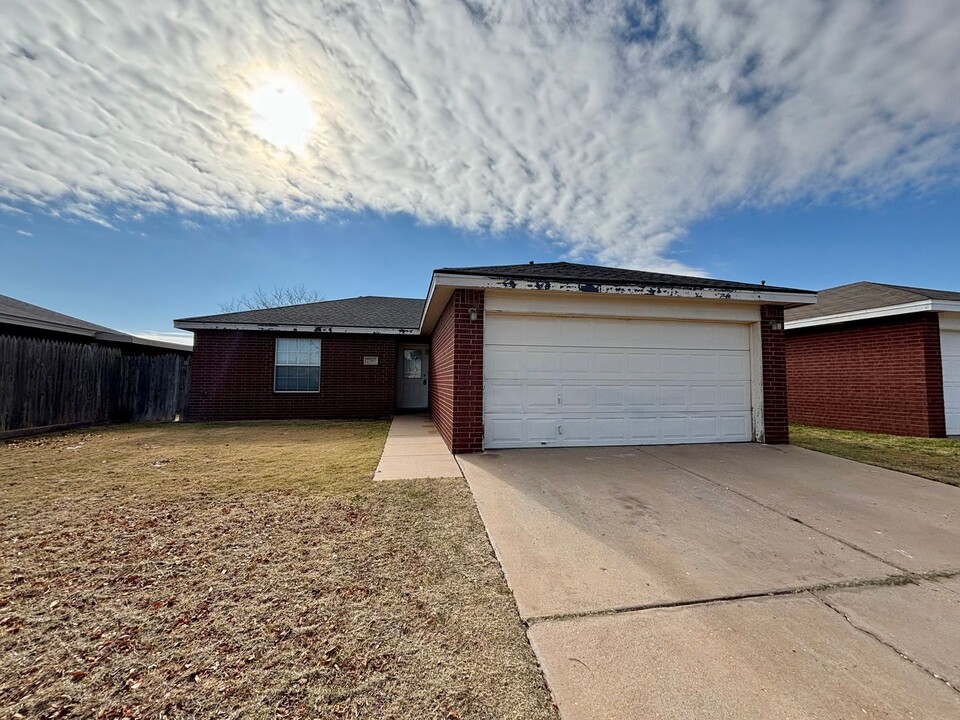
413,391
552,380
950,352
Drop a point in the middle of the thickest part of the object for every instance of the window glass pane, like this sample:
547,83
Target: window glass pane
292,378
412,363
297,365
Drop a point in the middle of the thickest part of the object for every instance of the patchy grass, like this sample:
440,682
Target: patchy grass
248,571
933,458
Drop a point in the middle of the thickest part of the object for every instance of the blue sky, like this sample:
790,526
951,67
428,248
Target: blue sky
140,282
159,158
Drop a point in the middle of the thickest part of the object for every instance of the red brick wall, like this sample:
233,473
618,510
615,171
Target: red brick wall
775,424
232,378
882,375
456,375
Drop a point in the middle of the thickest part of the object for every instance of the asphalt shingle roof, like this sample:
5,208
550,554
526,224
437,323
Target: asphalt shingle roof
360,312
865,296
18,312
597,274
24,314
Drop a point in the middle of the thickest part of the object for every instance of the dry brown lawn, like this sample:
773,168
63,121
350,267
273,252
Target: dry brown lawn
933,458
248,571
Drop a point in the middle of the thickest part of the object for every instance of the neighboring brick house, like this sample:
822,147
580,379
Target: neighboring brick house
875,357
550,354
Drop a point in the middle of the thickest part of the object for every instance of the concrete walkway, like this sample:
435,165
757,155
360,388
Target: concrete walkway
414,449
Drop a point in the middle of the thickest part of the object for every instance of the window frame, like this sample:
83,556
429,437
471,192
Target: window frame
276,364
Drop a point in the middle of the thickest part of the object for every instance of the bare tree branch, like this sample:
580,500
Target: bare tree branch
262,299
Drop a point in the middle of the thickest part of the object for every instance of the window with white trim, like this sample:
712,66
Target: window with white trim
297,365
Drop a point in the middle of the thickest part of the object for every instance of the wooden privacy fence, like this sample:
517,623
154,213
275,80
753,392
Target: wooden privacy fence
49,382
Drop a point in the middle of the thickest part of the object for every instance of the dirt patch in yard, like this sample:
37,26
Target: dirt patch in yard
933,458
248,571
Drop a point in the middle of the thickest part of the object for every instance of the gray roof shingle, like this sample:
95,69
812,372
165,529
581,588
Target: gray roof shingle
865,296
597,274
24,314
18,312
360,312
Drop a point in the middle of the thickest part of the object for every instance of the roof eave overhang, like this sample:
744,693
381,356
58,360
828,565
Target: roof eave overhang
442,286
45,325
280,327
871,313
91,335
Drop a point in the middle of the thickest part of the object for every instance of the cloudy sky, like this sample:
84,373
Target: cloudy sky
156,158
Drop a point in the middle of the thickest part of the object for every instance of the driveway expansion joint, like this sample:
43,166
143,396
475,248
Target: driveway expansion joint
907,578
883,642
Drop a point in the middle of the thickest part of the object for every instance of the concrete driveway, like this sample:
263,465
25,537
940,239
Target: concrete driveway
734,581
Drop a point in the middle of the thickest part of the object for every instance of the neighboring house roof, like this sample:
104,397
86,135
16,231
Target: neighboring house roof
865,300
23,314
597,274
370,313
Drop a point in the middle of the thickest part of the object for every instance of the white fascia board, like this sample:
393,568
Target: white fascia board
871,313
45,325
312,329
147,342
451,281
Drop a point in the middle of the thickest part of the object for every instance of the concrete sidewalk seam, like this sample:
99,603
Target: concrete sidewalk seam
883,642
906,578
781,513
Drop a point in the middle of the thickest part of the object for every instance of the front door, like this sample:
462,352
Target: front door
413,393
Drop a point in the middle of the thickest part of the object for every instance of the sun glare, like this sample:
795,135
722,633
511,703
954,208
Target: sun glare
282,114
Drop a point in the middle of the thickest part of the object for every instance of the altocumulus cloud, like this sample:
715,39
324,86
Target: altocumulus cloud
610,126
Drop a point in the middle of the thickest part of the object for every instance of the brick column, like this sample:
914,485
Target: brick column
775,427
456,375
936,416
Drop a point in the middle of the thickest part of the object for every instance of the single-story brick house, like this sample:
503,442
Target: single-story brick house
509,356
875,357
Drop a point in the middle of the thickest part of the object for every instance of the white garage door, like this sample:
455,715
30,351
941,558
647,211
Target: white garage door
950,351
599,381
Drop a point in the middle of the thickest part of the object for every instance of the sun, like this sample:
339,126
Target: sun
282,114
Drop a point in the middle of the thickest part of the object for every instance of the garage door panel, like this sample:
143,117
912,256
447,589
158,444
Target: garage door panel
642,397
643,365
577,397
950,353
643,430
676,429
575,362
735,396
734,427
672,389
610,363
704,397
540,397
544,363
502,398
674,365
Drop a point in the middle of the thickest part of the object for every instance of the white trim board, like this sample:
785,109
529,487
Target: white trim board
950,321
312,329
871,313
443,284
